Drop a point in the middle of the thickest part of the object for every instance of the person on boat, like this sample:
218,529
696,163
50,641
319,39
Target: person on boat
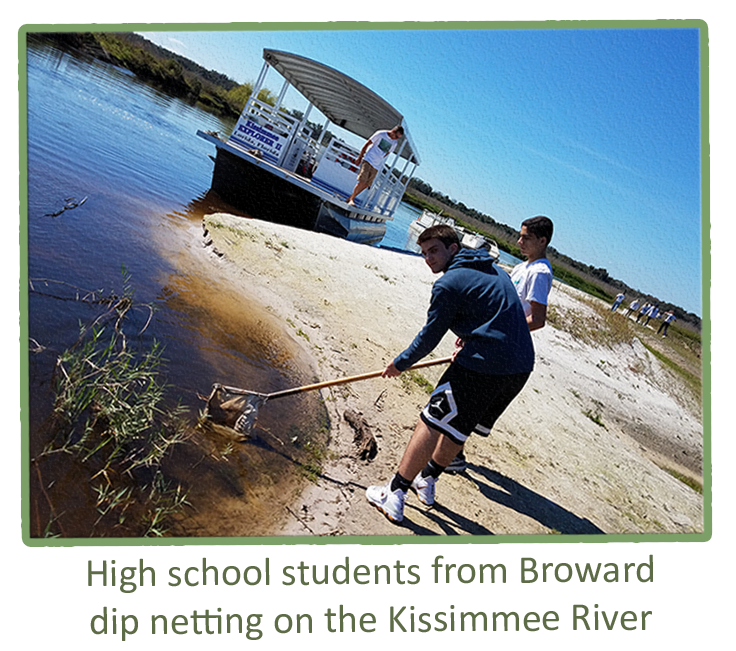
477,301
372,156
533,282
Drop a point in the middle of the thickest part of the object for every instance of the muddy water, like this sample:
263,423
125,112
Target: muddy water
127,159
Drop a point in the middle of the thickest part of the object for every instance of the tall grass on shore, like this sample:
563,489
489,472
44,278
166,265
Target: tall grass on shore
679,353
111,424
601,327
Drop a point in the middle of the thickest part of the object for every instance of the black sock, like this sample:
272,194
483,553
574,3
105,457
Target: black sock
432,469
400,483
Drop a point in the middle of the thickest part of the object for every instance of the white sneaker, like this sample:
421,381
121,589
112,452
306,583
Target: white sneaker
424,488
390,503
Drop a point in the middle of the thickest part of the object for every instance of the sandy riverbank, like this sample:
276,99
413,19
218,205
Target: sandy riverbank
575,453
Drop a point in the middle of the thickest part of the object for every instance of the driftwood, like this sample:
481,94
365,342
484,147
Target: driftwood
363,439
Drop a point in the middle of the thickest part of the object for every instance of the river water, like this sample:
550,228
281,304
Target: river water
126,160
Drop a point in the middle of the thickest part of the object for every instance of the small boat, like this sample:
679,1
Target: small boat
469,239
278,166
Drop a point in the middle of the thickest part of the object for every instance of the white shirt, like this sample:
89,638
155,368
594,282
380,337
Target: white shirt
532,280
381,146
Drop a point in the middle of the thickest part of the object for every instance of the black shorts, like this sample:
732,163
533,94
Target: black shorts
467,402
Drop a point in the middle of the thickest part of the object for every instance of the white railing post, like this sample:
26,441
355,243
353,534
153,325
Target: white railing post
257,87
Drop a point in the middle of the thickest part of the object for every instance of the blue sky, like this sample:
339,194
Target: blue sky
597,128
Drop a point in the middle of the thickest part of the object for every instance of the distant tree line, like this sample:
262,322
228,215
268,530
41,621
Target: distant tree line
170,72
593,280
218,93
211,76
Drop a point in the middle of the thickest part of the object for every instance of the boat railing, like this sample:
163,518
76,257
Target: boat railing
304,148
336,169
429,218
277,118
287,141
387,192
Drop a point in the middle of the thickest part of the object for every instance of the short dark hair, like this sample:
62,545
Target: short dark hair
539,226
399,129
442,232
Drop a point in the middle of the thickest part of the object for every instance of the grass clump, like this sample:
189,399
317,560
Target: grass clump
601,328
411,378
595,416
692,381
685,479
110,418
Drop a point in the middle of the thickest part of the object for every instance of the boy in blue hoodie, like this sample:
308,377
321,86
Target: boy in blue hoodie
477,302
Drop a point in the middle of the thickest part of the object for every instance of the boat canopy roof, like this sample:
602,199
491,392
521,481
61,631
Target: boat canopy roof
344,101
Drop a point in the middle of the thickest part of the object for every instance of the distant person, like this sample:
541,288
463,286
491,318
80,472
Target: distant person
633,307
533,282
644,311
476,300
619,299
372,156
652,314
669,317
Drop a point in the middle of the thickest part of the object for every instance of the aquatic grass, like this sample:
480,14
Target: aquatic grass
110,415
302,334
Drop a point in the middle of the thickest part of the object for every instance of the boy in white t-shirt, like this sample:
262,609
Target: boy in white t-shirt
533,278
374,152
533,281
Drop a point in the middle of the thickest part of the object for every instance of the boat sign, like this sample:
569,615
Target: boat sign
250,134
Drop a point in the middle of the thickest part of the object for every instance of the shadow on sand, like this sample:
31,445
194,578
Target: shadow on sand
495,487
511,494
504,491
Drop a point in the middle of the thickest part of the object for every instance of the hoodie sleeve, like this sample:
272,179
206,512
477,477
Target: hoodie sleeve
442,310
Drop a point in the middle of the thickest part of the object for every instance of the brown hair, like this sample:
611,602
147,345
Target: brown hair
539,226
442,232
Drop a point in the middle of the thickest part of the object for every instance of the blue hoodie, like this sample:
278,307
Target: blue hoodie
478,302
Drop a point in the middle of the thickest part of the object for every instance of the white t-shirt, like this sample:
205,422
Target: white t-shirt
532,280
380,147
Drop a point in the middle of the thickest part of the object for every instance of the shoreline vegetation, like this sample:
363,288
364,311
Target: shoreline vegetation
219,94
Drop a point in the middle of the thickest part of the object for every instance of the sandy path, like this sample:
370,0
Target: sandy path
547,467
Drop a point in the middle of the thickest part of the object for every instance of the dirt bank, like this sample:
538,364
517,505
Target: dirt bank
582,450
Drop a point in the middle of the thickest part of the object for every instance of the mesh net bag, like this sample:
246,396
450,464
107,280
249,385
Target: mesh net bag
233,408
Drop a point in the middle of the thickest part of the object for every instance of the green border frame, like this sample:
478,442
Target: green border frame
369,540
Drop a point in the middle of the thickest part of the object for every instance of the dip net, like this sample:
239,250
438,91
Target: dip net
234,408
